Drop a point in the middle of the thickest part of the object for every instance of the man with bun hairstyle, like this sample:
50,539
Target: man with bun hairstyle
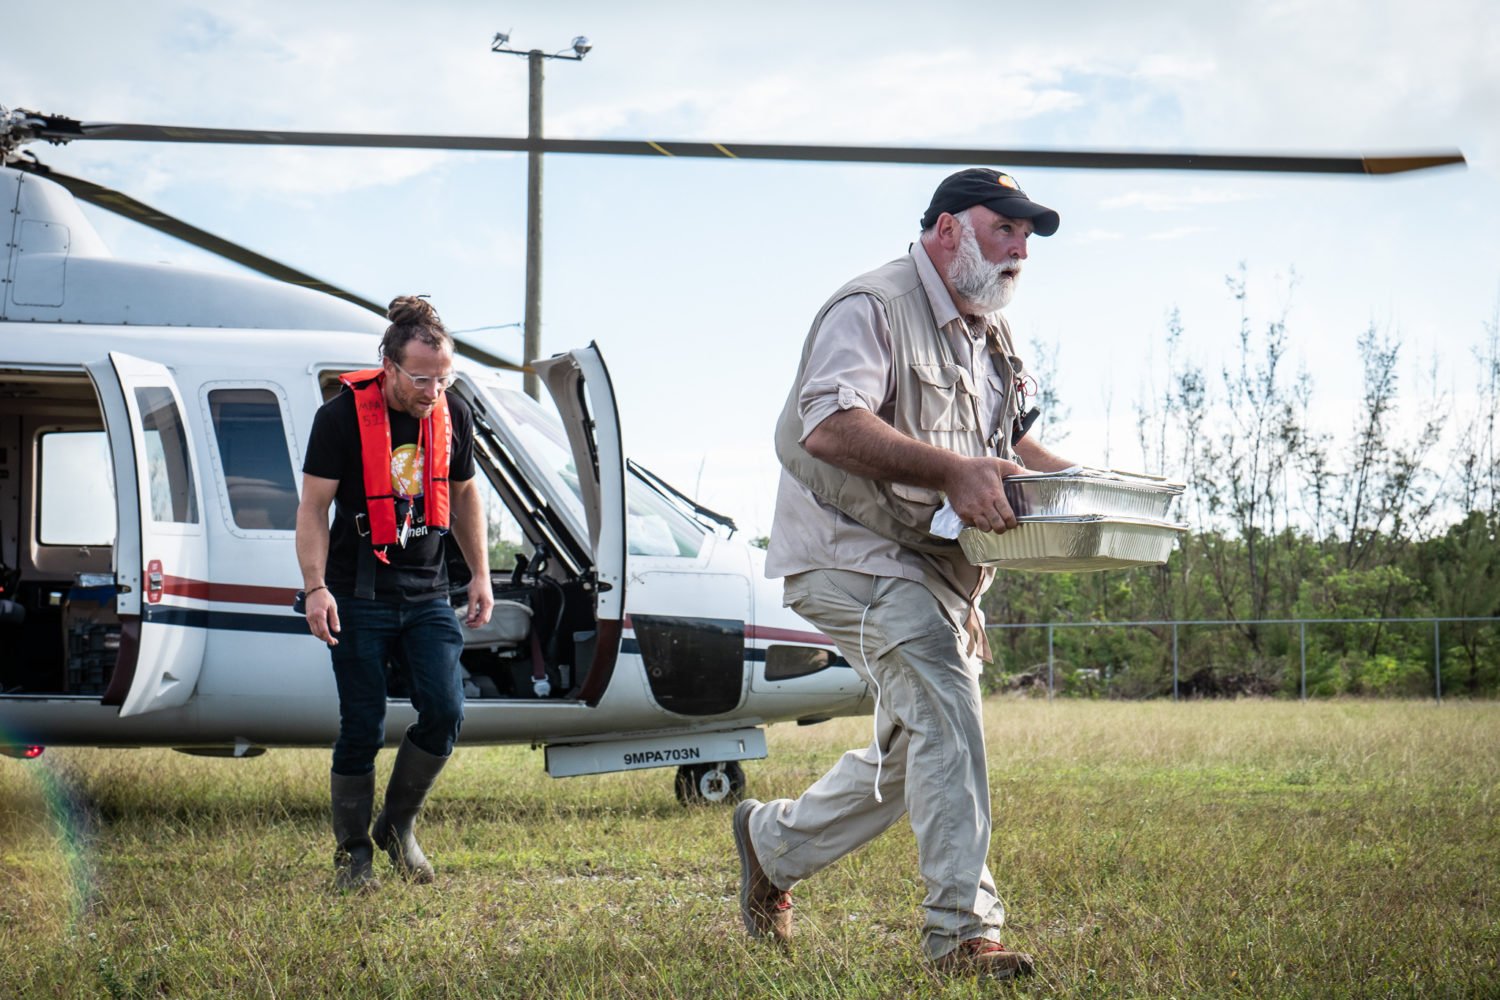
909,391
393,454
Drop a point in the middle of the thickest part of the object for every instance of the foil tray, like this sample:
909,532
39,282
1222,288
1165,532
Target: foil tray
1089,491
1079,544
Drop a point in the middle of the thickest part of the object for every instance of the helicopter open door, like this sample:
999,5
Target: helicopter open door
161,548
579,383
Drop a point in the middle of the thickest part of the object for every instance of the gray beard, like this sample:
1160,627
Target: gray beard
984,284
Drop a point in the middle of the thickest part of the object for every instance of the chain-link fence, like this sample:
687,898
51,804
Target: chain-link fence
1170,630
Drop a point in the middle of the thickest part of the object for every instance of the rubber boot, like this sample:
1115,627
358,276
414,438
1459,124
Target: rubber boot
353,800
411,780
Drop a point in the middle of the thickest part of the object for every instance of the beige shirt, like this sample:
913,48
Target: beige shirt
850,366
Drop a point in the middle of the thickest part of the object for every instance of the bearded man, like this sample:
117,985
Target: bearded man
908,391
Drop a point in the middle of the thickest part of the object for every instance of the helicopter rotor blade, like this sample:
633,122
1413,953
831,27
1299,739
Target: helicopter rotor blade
59,129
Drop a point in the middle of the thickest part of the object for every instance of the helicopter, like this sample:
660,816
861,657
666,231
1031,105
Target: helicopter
152,418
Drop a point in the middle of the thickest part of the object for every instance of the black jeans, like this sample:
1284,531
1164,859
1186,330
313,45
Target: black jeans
426,637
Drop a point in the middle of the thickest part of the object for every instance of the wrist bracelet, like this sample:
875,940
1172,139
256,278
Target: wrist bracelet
309,593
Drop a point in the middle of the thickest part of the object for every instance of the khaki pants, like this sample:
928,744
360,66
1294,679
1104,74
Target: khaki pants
929,743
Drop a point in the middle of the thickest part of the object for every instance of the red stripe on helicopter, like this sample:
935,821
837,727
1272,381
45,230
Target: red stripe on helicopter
232,593
281,597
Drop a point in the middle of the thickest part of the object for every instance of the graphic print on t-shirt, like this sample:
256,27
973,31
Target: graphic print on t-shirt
406,470
406,482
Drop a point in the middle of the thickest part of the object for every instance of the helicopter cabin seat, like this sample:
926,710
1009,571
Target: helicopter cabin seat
509,626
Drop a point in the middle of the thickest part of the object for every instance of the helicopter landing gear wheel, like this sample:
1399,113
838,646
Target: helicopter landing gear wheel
709,784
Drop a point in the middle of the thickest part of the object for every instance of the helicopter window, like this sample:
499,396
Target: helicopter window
541,435
253,451
785,662
173,498
504,533
655,526
329,385
77,501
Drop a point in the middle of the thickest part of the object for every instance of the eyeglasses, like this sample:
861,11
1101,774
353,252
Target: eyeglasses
420,382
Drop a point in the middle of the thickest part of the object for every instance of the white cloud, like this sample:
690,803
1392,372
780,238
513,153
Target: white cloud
1175,68
877,98
1173,201
1181,232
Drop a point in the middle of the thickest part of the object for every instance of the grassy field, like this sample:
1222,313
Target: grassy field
1228,849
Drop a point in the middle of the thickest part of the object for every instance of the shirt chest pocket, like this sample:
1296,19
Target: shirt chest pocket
947,398
1007,404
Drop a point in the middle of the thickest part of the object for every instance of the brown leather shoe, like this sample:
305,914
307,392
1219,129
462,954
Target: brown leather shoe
765,909
987,958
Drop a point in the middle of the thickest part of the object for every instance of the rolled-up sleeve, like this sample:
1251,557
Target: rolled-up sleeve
850,363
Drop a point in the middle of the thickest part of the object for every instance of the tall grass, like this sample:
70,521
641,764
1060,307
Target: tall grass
1228,849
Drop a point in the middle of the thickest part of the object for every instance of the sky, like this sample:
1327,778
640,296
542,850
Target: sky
698,279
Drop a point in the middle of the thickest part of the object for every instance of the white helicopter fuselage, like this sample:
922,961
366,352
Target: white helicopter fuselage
152,427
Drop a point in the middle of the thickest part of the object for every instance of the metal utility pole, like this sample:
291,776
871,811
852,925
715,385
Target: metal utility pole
532,339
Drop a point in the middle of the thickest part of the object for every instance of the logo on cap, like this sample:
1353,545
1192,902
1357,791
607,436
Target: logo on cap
1004,180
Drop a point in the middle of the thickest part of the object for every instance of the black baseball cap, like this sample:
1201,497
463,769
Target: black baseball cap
996,191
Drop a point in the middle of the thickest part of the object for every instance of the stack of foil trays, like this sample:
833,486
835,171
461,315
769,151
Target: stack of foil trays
1080,521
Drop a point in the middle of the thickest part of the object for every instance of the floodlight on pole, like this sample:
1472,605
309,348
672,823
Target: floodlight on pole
532,338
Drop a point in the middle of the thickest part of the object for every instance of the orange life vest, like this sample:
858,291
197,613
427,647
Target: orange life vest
435,440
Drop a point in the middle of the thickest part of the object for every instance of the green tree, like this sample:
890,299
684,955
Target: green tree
1463,566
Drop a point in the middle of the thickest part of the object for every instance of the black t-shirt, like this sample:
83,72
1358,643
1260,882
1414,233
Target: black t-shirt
417,571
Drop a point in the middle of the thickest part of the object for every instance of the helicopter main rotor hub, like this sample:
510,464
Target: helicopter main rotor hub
19,126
